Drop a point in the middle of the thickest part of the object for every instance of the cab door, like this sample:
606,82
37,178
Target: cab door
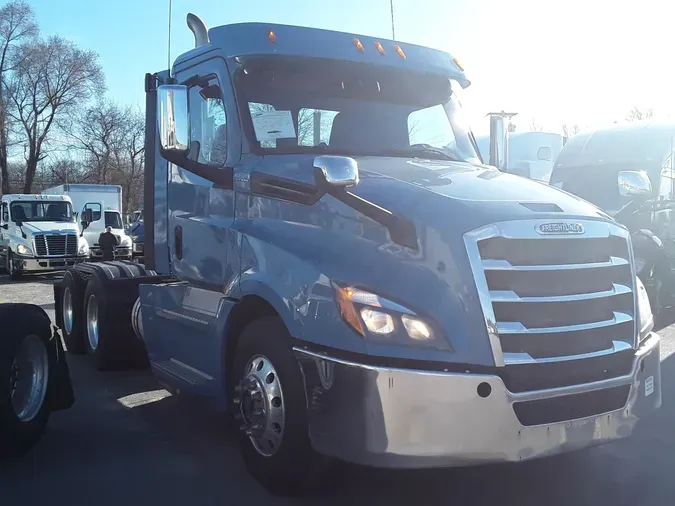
186,337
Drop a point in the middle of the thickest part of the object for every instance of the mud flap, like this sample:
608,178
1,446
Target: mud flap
60,393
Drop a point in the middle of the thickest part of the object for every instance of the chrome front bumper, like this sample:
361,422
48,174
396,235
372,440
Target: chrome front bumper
47,264
390,417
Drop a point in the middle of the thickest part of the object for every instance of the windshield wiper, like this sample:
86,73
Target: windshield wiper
425,151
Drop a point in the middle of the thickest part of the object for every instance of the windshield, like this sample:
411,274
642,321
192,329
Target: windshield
41,211
319,106
113,219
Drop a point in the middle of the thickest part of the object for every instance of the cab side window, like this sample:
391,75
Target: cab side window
208,123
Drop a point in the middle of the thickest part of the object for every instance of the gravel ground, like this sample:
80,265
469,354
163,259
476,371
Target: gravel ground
176,451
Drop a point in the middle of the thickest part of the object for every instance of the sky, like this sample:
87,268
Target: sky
585,62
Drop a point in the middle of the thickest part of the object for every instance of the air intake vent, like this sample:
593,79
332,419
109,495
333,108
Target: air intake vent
542,207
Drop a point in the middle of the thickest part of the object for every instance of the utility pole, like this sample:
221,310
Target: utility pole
393,33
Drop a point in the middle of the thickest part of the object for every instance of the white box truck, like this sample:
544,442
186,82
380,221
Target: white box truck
105,202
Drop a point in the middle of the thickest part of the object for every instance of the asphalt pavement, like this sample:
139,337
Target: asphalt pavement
116,448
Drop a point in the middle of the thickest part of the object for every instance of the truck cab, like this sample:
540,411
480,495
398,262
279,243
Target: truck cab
327,258
38,233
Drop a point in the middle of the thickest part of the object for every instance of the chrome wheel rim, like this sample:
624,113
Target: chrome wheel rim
92,322
260,399
29,377
67,310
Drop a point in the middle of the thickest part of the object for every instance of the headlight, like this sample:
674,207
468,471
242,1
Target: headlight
379,319
22,249
83,249
125,242
645,317
639,264
135,238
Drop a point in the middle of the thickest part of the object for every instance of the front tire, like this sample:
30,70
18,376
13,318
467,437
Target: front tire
268,398
27,366
12,271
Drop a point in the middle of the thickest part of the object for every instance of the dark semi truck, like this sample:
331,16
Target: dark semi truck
328,258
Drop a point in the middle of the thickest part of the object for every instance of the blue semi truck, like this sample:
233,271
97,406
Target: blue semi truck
328,258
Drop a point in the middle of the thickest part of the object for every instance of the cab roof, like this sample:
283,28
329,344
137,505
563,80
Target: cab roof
262,39
646,142
13,197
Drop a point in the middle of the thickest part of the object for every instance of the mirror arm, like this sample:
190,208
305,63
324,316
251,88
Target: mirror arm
221,177
402,230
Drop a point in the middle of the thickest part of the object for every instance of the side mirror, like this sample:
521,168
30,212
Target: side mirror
634,184
5,226
339,171
18,223
88,216
544,153
173,118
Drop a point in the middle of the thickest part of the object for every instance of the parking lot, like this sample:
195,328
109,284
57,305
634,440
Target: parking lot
175,451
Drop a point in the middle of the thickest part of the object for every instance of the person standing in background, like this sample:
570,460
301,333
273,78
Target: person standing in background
107,242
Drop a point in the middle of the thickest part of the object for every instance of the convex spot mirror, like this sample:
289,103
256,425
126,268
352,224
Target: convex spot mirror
634,183
173,118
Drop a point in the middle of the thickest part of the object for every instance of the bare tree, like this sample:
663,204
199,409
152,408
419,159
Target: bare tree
97,133
535,126
17,24
636,114
52,79
132,158
570,131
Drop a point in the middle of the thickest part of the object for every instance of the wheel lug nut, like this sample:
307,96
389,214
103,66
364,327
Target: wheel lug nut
243,427
256,426
237,400
257,412
238,389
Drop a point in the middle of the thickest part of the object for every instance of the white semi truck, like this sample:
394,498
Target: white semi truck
39,233
105,203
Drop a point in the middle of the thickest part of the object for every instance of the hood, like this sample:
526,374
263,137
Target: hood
485,193
37,227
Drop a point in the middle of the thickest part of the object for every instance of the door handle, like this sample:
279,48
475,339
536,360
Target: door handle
178,241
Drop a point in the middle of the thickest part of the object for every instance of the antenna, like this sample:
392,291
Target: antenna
168,55
393,33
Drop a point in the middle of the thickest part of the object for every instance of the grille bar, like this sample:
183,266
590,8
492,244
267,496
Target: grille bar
519,328
505,265
511,296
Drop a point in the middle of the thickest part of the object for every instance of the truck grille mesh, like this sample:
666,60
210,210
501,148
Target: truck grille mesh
55,245
553,298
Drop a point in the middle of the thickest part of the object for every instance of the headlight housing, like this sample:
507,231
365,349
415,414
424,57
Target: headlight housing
83,248
126,241
24,250
644,309
384,321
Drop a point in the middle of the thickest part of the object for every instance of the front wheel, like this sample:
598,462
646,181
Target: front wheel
269,401
13,272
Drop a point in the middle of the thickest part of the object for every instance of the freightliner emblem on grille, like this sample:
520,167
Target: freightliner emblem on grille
560,228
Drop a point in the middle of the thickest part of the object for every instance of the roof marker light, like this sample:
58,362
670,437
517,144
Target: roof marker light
400,52
272,36
379,48
459,65
358,45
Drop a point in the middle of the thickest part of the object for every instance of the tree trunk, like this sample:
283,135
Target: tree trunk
4,169
31,169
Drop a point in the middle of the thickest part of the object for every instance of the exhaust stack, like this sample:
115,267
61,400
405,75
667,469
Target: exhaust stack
499,139
199,30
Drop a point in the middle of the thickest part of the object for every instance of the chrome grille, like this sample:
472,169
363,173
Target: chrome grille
551,298
55,245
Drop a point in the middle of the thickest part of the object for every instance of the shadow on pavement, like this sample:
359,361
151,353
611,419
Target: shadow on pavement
44,279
